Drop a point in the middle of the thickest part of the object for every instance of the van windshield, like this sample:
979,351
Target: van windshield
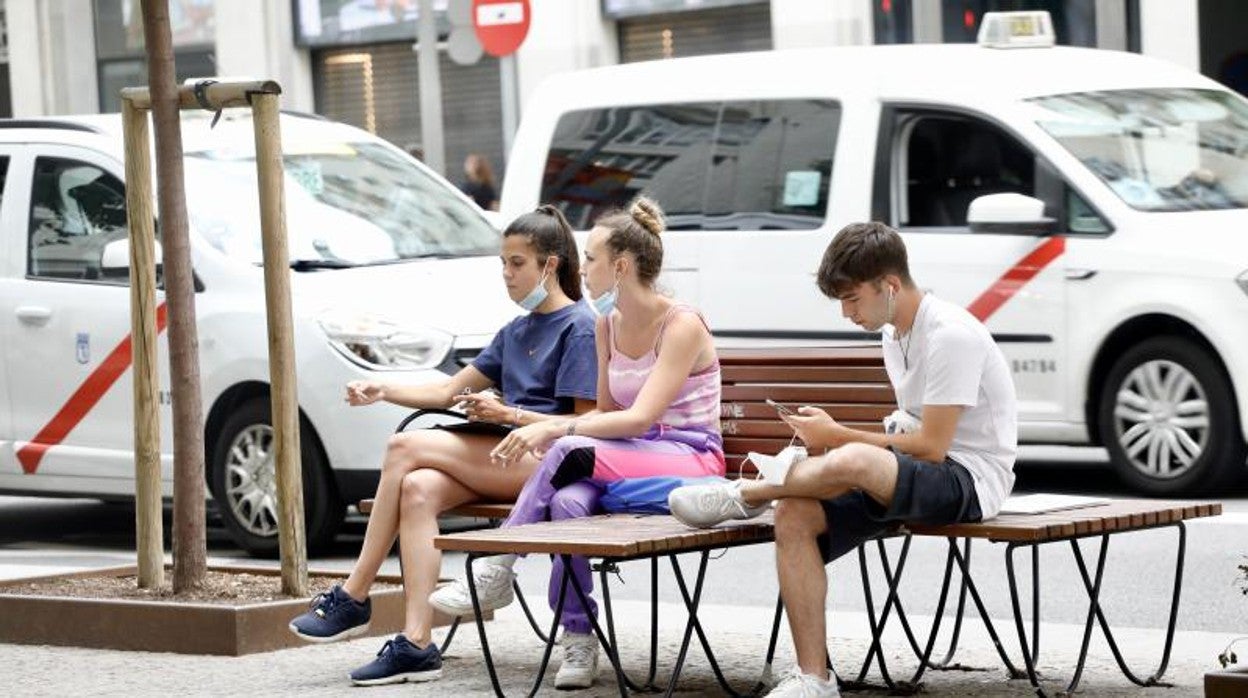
1158,149
346,204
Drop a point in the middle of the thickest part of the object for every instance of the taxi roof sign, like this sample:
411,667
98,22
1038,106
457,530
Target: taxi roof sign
1016,30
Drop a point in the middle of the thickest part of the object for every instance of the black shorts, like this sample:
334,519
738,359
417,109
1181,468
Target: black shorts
927,493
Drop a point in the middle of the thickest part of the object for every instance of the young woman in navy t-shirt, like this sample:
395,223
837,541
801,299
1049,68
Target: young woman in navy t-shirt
545,365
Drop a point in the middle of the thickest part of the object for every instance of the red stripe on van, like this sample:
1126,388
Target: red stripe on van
82,401
1014,279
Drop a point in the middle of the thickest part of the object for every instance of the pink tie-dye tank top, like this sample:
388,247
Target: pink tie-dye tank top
697,403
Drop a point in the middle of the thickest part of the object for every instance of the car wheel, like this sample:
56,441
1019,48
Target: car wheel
244,482
1169,420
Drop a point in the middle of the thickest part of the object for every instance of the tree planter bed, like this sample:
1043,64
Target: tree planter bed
168,624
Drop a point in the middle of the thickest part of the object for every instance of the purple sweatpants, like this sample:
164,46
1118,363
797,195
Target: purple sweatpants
659,452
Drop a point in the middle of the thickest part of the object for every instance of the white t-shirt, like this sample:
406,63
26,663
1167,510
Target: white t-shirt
949,358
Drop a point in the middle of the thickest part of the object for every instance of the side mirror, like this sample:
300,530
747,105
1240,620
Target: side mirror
115,260
1009,214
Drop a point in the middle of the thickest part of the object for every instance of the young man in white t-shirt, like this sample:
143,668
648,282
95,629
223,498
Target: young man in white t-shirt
947,457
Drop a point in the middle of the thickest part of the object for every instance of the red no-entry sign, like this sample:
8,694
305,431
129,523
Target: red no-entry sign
501,25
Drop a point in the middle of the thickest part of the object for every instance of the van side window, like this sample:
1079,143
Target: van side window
717,165
76,209
944,162
600,159
771,164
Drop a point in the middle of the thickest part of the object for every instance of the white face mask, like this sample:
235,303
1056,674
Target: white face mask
604,304
537,296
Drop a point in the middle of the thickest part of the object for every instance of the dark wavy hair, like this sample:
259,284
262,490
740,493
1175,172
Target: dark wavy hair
861,253
550,235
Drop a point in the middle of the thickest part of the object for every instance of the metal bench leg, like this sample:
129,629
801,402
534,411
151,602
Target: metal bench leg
1018,619
485,643
528,614
1153,679
694,625
766,676
964,565
894,581
877,628
1094,604
450,635
610,648
944,664
603,569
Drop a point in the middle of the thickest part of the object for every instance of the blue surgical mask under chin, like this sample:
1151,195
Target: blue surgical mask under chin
604,304
536,297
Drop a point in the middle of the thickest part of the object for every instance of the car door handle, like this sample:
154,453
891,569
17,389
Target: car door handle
34,315
1080,274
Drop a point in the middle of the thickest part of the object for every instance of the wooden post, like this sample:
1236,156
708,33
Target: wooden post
285,403
149,526
190,547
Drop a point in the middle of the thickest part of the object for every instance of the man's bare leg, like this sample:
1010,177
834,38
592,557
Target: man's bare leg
803,580
852,466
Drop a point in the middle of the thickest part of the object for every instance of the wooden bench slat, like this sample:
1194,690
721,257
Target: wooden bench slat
863,412
862,355
777,429
771,373
804,394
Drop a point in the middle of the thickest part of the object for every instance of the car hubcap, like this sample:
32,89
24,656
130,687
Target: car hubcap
250,485
1161,417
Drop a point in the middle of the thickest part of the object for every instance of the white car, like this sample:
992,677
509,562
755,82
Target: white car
1107,243
394,276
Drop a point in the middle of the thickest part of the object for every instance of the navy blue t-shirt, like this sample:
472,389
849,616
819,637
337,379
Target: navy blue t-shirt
544,362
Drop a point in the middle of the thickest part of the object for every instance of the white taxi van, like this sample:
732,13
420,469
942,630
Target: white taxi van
1091,207
380,249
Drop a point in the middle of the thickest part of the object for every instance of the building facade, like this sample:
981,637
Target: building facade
354,60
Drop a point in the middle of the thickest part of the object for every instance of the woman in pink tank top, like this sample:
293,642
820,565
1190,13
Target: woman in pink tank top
657,414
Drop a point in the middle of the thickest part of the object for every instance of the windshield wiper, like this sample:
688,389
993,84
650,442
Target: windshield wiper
315,264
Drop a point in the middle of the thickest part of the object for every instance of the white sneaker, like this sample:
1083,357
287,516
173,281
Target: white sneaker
493,591
704,506
580,661
799,685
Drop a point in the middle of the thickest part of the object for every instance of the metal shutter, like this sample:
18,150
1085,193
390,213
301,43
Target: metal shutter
696,33
375,88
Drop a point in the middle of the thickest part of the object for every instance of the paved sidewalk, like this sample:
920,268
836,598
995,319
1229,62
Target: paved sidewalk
739,635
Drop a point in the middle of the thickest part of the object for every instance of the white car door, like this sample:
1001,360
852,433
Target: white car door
9,250
69,352
939,161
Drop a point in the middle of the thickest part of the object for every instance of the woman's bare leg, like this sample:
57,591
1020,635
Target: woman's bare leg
464,457
426,494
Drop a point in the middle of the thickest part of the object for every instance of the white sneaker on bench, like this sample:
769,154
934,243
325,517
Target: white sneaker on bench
704,506
799,685
494,591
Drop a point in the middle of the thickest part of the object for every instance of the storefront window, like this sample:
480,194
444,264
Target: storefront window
355,22
120,46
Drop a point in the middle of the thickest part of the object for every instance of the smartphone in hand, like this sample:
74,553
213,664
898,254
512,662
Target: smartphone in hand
781,408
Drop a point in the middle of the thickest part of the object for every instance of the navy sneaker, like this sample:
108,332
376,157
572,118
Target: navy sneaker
398,661
334,616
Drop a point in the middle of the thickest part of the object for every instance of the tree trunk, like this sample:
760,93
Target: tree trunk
189,542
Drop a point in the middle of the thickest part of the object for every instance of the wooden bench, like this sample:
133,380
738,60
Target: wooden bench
850,383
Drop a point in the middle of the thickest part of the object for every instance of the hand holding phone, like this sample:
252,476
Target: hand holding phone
780,408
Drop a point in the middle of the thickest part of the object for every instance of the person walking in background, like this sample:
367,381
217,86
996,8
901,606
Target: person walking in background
479,181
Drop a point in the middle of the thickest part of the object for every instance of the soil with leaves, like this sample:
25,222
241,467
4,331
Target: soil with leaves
220,587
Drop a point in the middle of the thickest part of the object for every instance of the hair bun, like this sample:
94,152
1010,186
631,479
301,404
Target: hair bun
648,214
